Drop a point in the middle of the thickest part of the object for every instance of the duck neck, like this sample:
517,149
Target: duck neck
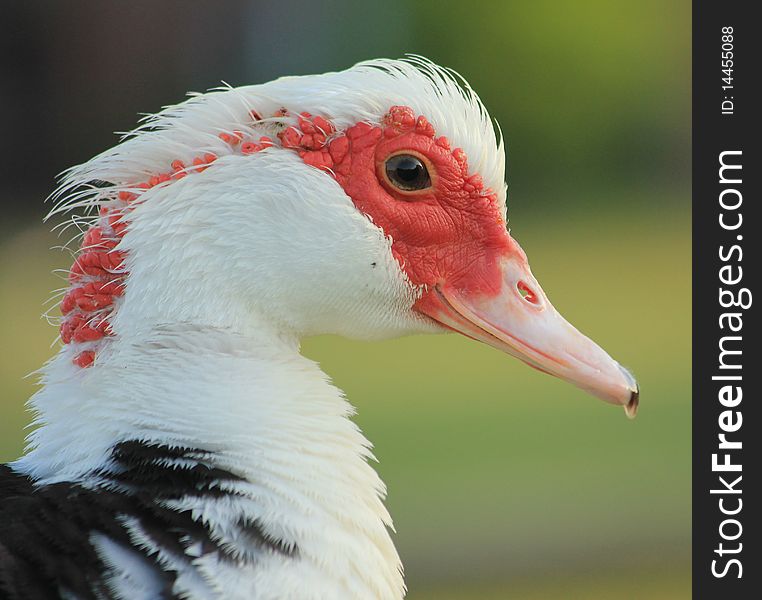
262,412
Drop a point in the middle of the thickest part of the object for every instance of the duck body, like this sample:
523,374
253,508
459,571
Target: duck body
276,502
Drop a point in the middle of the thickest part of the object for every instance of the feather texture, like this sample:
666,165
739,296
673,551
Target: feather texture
218,461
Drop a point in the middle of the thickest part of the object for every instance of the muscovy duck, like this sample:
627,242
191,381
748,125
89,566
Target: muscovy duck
184,448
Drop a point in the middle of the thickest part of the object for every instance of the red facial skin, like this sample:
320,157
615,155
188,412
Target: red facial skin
451,239
452,232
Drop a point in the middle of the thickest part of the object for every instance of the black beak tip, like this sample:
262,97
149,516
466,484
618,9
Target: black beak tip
632,406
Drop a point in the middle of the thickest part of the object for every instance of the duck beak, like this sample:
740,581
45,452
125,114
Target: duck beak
519,320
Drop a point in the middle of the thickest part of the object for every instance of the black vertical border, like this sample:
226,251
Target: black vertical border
713,133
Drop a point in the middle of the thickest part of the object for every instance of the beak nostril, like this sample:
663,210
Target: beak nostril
526,293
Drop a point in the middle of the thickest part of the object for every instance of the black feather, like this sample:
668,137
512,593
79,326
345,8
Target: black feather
45,531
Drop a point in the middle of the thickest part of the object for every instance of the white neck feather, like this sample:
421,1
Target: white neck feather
269,415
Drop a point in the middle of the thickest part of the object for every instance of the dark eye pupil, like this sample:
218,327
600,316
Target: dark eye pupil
407,172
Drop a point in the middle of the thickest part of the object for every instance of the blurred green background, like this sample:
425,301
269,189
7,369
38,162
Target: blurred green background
504,483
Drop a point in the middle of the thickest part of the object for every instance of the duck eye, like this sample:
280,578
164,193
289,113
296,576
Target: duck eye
407,172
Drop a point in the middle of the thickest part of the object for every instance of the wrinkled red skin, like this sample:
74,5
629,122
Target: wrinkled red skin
451,234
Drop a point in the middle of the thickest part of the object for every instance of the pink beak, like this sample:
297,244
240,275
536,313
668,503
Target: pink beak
520,321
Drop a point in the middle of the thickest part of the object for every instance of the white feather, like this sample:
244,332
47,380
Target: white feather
227,270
